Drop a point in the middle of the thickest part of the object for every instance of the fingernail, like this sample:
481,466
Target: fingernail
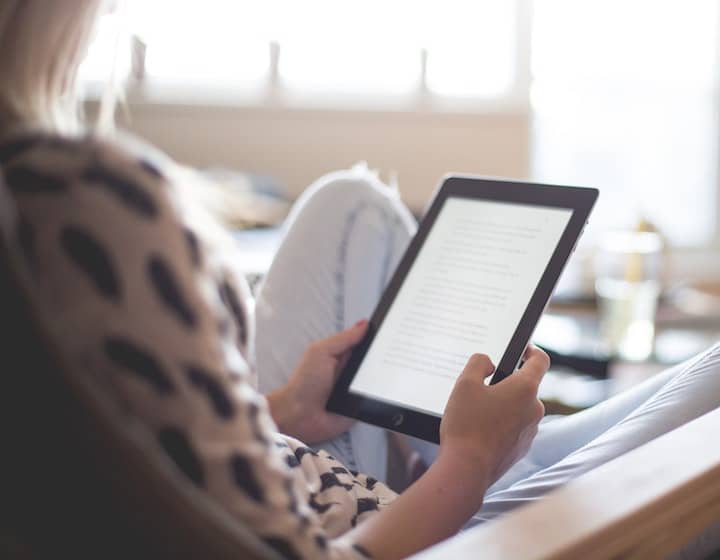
361,322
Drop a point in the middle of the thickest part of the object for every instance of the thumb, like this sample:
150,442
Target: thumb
344,340
536,364
479,364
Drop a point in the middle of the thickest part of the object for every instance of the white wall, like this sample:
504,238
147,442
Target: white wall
297,146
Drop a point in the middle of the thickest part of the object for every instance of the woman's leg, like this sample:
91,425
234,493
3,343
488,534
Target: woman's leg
342,241
691,390
559,436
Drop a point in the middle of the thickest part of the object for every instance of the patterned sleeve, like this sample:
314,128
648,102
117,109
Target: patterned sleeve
126,289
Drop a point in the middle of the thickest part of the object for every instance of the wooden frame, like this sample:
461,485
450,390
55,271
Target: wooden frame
647,503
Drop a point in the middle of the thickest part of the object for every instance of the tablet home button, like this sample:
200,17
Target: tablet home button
398,419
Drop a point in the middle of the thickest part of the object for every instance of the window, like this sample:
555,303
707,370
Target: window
622,95
625,98
454,48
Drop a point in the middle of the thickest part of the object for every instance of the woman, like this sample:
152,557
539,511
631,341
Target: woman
142,295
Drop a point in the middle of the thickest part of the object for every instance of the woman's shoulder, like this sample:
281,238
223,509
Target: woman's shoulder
130,196
60,159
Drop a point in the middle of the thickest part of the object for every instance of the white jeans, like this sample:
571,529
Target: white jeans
343,240
341,244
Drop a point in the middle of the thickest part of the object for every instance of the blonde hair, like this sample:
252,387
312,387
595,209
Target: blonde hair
42,44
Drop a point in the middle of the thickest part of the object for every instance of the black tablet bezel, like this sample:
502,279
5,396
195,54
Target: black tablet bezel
426,425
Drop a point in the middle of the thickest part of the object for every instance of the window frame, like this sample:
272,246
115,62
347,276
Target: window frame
270,92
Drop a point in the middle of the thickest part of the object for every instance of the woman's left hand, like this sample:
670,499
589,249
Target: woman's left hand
299,408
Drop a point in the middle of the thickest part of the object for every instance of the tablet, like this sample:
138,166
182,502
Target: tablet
475,279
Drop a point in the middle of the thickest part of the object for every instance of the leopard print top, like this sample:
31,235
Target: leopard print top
144,307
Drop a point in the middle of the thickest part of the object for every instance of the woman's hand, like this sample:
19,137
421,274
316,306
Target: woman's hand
492,426
299,408
484,430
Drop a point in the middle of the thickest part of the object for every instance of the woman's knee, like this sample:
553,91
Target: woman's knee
357,191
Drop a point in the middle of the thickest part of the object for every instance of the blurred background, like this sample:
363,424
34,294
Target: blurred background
622,95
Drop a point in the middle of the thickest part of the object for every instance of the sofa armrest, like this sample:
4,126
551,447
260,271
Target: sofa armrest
645,504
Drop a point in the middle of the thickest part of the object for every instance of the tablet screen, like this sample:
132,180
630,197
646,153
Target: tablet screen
465,293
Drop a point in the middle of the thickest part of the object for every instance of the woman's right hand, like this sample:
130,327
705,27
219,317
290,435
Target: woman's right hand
484,430
490,427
